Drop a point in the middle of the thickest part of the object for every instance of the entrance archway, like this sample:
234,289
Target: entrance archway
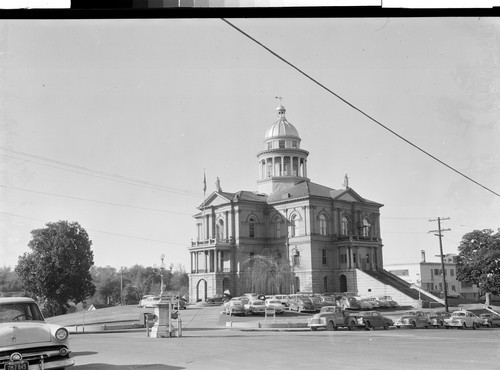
201,291
343,283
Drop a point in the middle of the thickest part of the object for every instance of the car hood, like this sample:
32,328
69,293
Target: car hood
19,333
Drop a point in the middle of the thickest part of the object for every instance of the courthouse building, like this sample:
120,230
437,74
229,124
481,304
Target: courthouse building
330,238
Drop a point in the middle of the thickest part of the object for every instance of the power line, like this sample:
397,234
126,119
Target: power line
95,173
94,201
358,109
100,231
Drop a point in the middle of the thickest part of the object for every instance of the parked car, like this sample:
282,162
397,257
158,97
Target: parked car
275,304
328,300
332,318
234,307
382,302
217,299
437,318
142,302
317,302
301,304
363,303
251,296
389,299
462,320
373,319
149,302
254,307
27,341
372,301
489,320
349,303
413,320
283,298
452,294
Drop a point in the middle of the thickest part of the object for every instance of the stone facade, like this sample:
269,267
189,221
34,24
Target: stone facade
315,237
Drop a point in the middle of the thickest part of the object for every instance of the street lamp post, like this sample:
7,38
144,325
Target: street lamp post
163,325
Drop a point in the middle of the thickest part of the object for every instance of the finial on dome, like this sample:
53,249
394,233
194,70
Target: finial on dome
281,109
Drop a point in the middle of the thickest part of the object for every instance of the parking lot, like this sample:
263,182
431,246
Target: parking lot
207,343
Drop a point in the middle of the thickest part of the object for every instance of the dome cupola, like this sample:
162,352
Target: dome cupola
281,128
282,163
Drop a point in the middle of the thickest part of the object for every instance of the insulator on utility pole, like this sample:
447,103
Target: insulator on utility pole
440,235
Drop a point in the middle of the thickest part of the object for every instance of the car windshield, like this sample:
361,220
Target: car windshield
21,311
257,303
274,302
458,314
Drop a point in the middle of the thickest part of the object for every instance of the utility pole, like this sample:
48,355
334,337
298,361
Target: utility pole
440,235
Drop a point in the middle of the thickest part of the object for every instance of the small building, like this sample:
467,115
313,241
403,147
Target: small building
429,276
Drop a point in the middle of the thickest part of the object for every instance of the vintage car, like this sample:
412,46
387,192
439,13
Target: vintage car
217,299
413,320
274,304
489,320
383,303
255,306
373,319
283,298
332,318
27,341
301,304
235,307
388,298
462,320
317,302
349,303
437,318
149,301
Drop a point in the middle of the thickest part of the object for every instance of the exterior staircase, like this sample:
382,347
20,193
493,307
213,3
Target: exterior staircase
409,290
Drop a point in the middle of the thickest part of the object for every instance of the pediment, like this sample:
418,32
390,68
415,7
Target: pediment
215,199
347,195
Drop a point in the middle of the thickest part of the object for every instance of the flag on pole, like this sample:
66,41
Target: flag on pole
204,183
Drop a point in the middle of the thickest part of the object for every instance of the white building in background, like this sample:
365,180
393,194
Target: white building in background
429,276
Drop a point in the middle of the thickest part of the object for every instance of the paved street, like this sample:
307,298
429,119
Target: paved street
218,348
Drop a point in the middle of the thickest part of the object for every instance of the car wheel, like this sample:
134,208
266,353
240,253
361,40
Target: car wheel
352,325
474,326
368,326
464,326
386,326
330,326
413,325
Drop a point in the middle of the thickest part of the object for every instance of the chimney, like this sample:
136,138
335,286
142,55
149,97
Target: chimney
422,253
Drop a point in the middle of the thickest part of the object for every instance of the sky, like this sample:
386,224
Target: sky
113,123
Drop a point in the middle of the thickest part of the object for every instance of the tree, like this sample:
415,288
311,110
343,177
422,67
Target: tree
479,260
57,270
267,274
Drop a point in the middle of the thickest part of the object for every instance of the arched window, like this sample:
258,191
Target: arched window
345,226
251,227
277,226
294,225
366,227
322,225
220,229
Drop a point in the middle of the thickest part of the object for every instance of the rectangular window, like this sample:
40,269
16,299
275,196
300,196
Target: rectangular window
452,272
282,144
324,256
294,144
343,258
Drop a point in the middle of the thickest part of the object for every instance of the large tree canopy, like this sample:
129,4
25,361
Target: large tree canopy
479,260
57,270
